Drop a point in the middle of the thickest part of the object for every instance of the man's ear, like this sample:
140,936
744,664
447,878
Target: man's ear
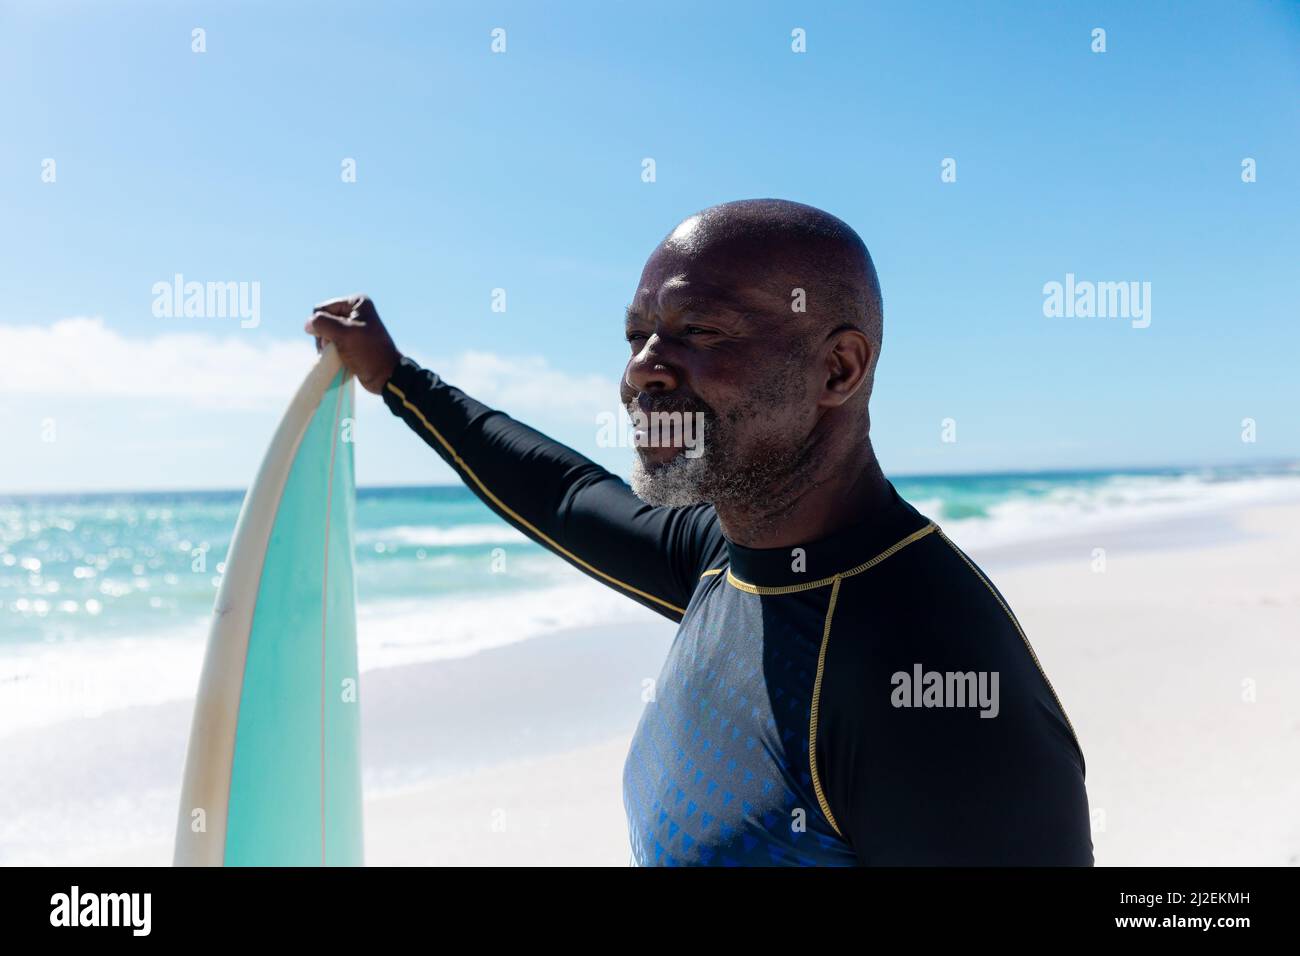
849,360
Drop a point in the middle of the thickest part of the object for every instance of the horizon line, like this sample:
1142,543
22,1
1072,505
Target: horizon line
899,476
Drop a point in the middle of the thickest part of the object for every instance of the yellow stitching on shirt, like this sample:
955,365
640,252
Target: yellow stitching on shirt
816,700
1020,631
822,582
469,473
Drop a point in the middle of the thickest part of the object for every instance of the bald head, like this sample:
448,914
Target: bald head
781,246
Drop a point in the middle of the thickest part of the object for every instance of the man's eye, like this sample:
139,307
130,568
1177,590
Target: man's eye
690,330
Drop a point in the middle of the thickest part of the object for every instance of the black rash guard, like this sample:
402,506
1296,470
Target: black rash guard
867,698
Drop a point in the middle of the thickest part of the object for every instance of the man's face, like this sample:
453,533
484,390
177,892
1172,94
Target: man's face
713,344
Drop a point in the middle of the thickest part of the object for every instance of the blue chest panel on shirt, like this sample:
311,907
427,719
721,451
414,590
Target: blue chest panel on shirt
719,771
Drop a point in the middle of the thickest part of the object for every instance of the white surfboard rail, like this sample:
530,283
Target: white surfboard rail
205,789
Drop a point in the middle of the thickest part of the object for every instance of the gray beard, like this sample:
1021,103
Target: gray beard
680,483
766,485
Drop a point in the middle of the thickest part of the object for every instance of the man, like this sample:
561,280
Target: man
846,686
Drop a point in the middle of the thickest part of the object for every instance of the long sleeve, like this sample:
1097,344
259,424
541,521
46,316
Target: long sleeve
942,743
559,498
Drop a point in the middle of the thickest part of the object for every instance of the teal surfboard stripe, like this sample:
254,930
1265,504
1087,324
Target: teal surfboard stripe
295,786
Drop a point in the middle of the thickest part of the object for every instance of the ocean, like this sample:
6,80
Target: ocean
105,598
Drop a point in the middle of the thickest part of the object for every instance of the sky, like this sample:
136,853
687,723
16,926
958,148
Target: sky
129,157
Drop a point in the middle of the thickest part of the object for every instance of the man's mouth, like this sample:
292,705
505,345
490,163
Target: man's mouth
657,455
662,430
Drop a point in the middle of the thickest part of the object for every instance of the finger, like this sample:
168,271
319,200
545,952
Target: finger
332,327
323,330
309,328
350,320
342,306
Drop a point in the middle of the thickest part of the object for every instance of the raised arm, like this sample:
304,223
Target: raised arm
557,497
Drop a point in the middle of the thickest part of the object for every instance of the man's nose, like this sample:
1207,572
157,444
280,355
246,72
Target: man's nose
651,370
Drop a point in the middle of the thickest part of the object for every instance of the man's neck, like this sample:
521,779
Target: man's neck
845,493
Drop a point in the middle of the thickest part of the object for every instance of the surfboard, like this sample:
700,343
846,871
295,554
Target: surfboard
273,769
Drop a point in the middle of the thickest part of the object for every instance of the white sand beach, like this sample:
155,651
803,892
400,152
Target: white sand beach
1179,665
1180,669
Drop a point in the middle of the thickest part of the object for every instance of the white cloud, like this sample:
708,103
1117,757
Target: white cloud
528,388
84,358
195,410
